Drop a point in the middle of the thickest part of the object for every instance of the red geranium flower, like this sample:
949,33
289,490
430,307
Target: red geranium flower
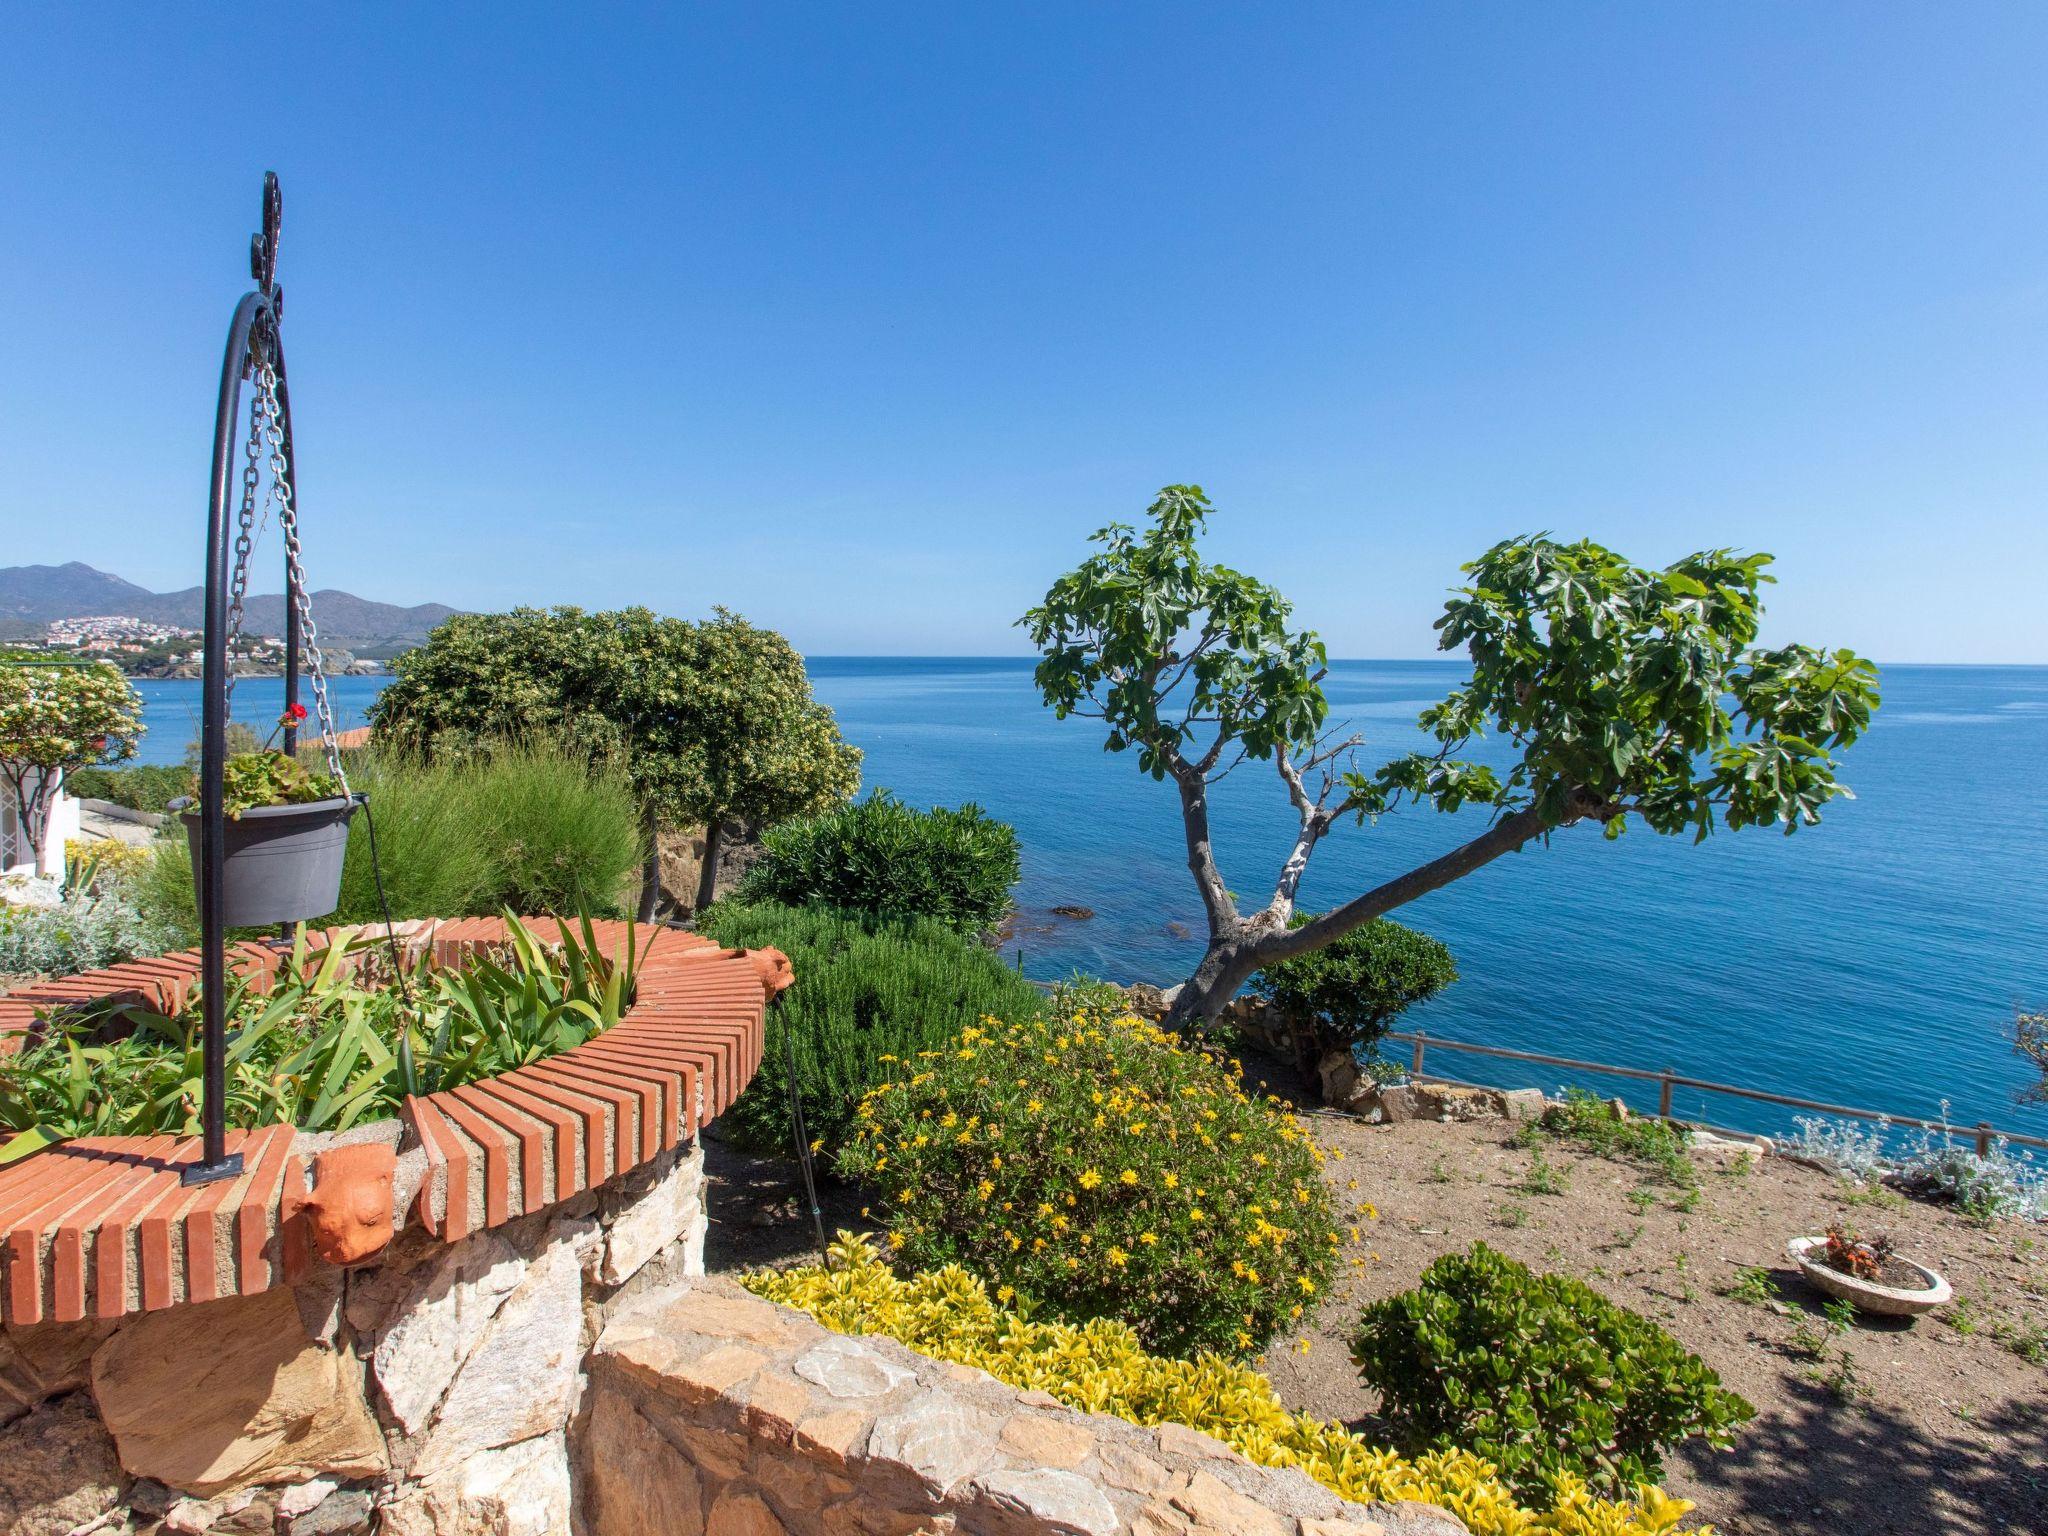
297,711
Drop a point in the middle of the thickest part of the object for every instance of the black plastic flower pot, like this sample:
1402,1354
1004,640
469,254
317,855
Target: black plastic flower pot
283,862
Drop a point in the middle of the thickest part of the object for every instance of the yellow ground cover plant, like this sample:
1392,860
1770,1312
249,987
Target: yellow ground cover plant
1089,1165
1101,1367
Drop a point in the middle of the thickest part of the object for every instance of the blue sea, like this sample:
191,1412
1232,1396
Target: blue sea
1875,960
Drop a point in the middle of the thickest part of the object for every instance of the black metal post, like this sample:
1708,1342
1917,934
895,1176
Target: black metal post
255,321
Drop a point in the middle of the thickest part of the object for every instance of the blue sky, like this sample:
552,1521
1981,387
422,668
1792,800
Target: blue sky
858,318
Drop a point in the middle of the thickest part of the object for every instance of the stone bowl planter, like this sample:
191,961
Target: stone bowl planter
1868,1295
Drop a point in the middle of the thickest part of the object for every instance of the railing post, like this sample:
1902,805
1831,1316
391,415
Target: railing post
1983,1138
1415,1068
1664,1095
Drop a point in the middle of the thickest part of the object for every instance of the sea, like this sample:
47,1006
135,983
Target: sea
1875,960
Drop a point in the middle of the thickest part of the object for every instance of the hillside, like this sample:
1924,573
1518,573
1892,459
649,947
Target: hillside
36,594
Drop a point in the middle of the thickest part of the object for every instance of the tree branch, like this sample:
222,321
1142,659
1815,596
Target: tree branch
1504,836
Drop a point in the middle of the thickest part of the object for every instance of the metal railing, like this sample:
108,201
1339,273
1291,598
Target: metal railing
1983,1131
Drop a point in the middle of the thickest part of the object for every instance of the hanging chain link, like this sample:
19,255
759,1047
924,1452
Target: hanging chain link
269,418
245,540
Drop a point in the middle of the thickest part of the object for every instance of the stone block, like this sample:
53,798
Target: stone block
511,1490
936,1437
646,1220
345,1512
1048,1441
228,1394
520,1379
633,1480
439,1322
833,1438
57,1469
1213,1505
43,1361
742,1512
847,1368
1179,1440
1053,1501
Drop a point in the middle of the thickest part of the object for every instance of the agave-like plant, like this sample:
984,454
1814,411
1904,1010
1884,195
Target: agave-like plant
339,1037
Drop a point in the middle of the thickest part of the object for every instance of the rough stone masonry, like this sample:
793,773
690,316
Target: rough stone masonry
573,1372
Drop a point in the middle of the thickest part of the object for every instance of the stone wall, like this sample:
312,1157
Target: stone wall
711,1412
429,1390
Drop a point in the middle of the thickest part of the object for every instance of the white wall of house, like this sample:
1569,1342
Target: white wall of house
14,844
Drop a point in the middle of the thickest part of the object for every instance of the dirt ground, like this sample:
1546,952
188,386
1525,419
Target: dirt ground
1932,1427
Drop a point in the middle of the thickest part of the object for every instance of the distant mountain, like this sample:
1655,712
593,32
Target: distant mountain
40,593
36,594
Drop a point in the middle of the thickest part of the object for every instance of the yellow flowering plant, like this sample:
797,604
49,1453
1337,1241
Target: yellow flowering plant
1102,1367
1096,1167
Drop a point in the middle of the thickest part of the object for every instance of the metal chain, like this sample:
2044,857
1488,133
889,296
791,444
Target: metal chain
245,539
271,416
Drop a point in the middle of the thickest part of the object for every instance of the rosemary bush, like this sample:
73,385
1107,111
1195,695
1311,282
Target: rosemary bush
87,929
868,992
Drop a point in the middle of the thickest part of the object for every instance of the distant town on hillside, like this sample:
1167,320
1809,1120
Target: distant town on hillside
74,609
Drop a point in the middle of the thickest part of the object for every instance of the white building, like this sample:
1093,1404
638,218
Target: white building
14,842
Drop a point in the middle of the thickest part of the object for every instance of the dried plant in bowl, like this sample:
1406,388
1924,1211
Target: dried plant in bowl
1868,1273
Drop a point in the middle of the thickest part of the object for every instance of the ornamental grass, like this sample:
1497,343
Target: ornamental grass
1103,1367
1090,1165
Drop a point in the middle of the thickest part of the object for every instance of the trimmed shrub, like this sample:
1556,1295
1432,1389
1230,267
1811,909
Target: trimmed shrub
1102,1368
1347,994
869,992
144,787
1541,1375
527,828
1093,1166
884,857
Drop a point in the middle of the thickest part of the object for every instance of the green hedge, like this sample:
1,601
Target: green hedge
865,988
883,857
527,827
145,787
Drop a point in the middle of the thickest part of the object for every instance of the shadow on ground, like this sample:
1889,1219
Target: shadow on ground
1833,1465
758,1215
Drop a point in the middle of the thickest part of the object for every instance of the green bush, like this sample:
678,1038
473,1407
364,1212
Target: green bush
1591,1123
1539,1374
86,930
1088,1163
882,856
528,828
145,787
1347,994
868,991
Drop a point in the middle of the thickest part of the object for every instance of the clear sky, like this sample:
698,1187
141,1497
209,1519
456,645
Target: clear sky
859,317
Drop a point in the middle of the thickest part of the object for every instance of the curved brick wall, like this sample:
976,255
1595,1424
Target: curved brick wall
100,1227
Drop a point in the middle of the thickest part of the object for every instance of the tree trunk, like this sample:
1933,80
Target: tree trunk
650,867
707,876
1228,965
